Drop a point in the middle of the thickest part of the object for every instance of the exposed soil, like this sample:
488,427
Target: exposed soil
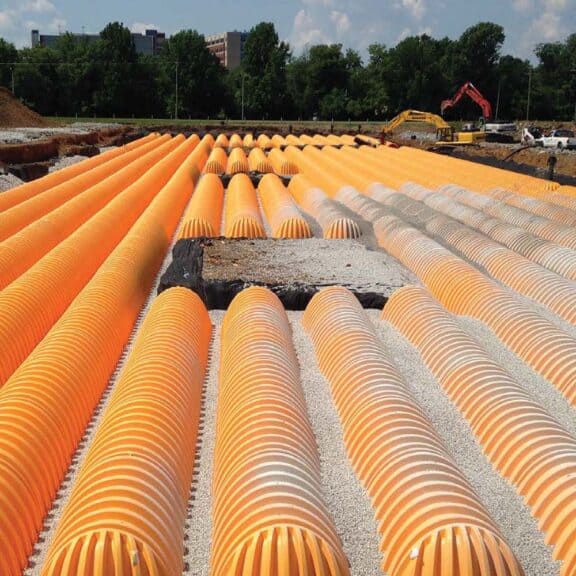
14,114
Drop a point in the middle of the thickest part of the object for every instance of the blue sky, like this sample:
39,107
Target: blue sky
354,23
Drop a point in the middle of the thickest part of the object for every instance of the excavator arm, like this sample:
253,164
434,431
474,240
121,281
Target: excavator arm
468,89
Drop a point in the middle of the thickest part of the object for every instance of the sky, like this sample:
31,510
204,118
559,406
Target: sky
353,23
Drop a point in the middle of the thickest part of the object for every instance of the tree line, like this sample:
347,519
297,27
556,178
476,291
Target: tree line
109,78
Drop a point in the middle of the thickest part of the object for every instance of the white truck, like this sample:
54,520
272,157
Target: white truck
561,139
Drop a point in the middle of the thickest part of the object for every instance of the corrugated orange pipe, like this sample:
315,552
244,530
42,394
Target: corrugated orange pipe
258,161
31,304
131,511
283,217
334,223
217,161
237,162
281,163
264,142
27,246
430,520
23,214
48,401
268,511
242,213
26,191
553,256
204,213
236,141
518,436
222,141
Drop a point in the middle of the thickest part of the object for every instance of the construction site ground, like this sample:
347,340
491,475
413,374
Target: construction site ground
360,265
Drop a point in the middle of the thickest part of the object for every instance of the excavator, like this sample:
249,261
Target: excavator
445,134
468,89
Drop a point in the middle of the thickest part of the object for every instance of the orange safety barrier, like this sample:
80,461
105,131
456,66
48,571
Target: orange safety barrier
236,141
47,403
553,256
204,214
222,141
429,518
520,439
514,270
334,223
269,516
31,304
242,213
264,142
281,163
283,217
131,511
258,162
237,162
217,161
24,213
27,246
29,189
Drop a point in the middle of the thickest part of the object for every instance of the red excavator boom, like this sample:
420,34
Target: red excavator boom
470,90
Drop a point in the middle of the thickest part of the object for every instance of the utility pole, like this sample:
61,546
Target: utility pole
243,95
573,72
498,99
529,93
176,93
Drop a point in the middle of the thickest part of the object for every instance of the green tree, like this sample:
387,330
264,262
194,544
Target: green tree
264,69
201,88
8,55
36,79
116,57
556,79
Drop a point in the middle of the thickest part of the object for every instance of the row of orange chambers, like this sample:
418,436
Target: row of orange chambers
269,515
31,380
266,142
79,251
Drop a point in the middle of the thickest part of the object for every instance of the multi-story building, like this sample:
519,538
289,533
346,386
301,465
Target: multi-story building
228,47
149,43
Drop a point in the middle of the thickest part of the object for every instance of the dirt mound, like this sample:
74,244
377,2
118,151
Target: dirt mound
13,114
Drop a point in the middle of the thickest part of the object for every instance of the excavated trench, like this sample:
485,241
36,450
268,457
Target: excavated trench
218,269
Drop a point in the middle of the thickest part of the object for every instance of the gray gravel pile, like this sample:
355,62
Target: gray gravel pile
497,494
8,181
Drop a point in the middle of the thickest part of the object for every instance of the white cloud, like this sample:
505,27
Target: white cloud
341,21
6,19
416,7
307,31
39,6
523,5
141,27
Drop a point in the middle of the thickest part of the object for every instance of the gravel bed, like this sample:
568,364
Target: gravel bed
497,494
65,162
346,499
20,135
8,181
197,537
